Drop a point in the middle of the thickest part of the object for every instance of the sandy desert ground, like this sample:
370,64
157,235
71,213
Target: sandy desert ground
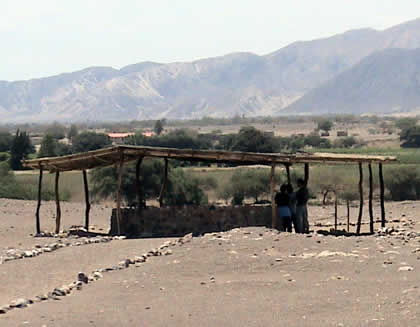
243,277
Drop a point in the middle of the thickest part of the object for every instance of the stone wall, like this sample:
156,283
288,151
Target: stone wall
178,221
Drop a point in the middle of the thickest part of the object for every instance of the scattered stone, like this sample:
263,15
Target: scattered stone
328,253
42,297
59,292
4,310
53,297
79,286
168,252
28,254
81,277
406,268
124,264
20,303
140,259
97,275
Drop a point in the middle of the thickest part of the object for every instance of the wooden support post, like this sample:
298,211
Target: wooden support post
87,209
272,194
382,191
57,203
288,173
371,200
120,175
38,207
359,219
306,178
165,181
348,216
335,212
138,185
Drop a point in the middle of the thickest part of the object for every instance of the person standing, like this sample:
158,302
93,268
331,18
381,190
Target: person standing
292,206
302,196
283,211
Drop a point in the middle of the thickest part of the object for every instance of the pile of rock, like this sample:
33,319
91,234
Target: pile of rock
15,254
82,278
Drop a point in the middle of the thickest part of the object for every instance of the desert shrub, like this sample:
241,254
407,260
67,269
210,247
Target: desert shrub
403,183
224,192
349,194
11,188
5,141
20,148
410,137
207,182
89,141
105,181
48,147
346,142
8,186
324,125
4,156
247,183
325,181
406,123
316,141
181,189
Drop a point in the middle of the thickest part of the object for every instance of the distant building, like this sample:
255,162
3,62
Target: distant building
148,133
119,138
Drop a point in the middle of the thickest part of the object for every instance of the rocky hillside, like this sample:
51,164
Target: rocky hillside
239,83
385,82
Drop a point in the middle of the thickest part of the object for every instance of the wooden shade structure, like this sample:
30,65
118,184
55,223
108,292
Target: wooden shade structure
119,155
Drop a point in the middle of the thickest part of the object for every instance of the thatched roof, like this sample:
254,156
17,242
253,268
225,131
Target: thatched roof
113,155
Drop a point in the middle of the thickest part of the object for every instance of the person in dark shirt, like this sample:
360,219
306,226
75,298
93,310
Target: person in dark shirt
292,206
283,211
302,196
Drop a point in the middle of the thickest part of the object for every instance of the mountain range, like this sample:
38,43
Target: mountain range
359,71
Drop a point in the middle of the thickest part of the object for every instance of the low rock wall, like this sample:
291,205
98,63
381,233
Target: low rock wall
178,221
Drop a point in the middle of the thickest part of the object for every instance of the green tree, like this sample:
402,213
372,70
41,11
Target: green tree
250,139
406,123
48,147
105,181
20,148
88,141
346,142
158,127
248,183
317,141
181,188
325,125
73,131
9,188
403,183
410,137
5,141
56,130
62,149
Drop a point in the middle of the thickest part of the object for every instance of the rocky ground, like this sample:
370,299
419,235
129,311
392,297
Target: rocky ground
243,277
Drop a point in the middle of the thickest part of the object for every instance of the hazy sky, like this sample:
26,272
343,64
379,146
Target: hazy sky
46,37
